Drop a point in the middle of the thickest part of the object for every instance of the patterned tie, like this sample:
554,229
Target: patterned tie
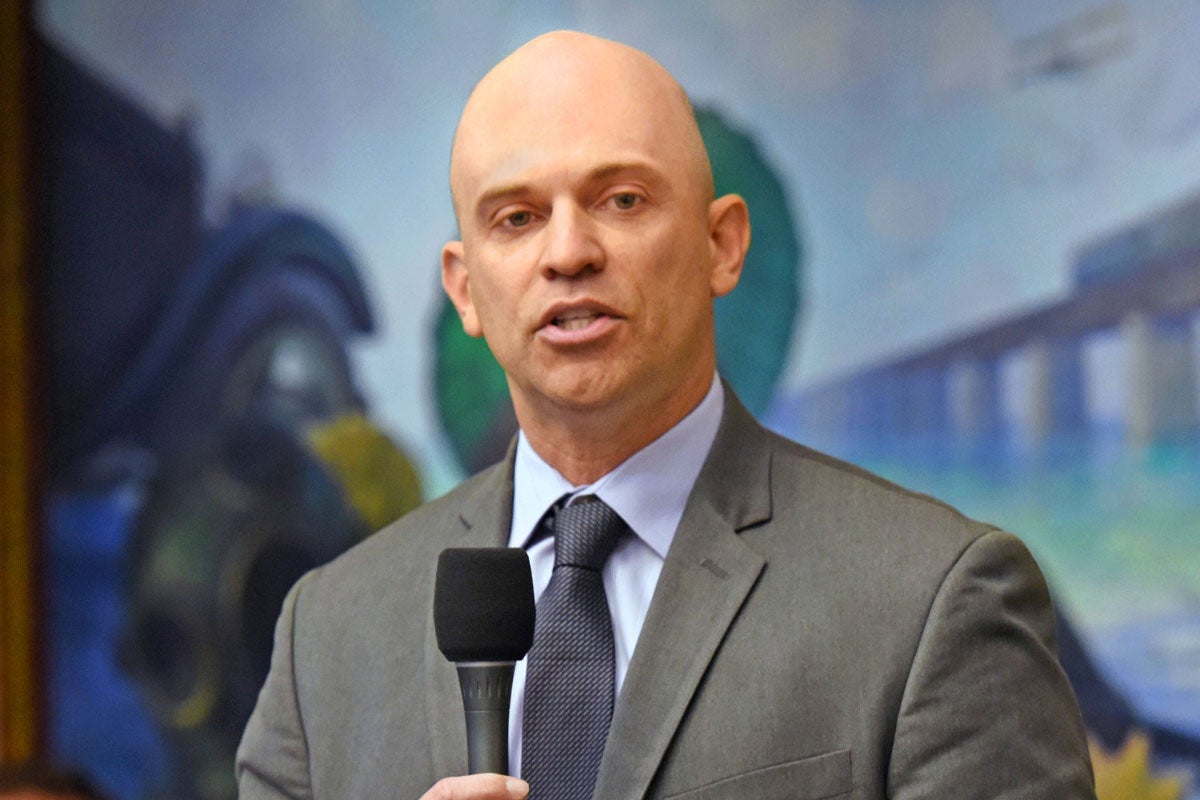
569,680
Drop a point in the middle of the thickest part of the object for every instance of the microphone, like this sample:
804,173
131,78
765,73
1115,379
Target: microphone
483,613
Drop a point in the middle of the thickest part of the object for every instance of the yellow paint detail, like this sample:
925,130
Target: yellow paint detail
1127,774
380,482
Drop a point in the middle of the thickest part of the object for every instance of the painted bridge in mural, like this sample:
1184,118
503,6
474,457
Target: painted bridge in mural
1143,282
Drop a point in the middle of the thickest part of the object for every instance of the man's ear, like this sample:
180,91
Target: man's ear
458,287
729,239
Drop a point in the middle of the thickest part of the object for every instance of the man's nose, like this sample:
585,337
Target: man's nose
571,244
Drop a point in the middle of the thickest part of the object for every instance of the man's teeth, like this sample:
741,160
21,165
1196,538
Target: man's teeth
575,322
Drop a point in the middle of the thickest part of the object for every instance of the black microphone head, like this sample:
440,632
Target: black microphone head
483,606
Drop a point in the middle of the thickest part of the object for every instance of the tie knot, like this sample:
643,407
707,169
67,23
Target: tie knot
585,533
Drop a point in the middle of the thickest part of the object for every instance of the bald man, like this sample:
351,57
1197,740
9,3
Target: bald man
784,625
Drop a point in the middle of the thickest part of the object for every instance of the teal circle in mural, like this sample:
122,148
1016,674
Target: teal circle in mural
472,393
754,323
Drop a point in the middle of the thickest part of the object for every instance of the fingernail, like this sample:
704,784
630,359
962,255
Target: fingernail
516,788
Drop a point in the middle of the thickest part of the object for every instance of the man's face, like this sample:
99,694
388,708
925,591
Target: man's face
586,257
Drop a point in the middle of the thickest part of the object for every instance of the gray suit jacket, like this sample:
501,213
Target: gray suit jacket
816,632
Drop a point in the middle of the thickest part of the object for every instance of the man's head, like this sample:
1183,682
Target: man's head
592,246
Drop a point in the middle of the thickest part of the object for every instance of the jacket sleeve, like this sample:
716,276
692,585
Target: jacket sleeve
987,711
272,759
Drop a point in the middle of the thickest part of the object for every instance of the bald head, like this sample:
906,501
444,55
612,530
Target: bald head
564,90
592,246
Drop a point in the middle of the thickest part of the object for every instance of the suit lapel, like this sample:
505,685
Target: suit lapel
707,576
483,520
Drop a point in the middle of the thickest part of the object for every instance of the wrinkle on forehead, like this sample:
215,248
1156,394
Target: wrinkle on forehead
568,88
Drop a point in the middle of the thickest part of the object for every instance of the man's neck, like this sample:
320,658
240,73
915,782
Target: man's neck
586,444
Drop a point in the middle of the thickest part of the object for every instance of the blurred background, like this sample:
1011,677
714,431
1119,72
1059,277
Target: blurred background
975,269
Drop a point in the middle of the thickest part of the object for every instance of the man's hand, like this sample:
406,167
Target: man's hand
478,787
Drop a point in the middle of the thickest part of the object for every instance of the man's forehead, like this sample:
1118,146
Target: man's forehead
532,146
567,93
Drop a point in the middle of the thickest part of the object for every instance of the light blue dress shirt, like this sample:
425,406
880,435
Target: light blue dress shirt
648,490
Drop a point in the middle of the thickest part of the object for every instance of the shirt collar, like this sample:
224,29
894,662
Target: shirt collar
648,490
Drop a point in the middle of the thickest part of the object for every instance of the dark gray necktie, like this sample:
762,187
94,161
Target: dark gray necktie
569,680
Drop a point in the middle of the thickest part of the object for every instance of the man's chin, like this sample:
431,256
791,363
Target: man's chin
581,390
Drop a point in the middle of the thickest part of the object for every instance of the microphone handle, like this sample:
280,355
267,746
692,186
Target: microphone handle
486,690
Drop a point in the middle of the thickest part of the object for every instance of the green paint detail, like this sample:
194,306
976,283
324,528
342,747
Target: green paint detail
755,321
471,389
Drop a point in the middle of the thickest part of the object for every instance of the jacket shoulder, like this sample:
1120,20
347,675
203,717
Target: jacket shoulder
408,547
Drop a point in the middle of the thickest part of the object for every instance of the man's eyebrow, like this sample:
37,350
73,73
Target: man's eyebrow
493,196
598,174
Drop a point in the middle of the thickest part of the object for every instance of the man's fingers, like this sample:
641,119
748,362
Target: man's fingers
478,787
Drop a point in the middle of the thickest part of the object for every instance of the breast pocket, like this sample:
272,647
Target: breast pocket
813,778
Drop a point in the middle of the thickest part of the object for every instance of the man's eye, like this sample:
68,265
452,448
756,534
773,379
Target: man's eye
518,219
625,200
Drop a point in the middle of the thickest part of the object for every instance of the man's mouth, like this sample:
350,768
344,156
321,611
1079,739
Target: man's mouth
575,320
579,322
